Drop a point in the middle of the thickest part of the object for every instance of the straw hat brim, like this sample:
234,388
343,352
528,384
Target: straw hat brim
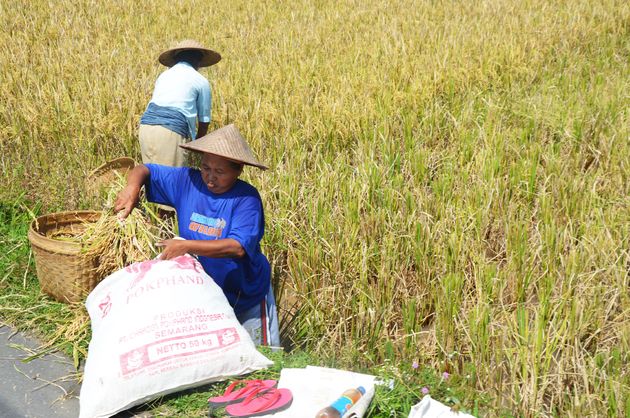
236,160
228,143
209,57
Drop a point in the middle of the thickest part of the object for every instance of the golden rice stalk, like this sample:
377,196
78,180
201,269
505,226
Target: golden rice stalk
116,243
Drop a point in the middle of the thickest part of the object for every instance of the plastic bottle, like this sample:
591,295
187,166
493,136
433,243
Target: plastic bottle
341,405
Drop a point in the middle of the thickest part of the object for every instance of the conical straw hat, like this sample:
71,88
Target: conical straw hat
226,142
209,57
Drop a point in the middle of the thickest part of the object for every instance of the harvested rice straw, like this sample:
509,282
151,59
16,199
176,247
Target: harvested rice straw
116,243
73,330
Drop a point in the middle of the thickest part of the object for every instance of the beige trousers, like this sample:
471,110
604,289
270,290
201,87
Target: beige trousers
159,145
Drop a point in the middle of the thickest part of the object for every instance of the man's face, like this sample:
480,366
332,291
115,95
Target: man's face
218,173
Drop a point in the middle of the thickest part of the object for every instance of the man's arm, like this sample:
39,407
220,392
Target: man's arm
202,129
220,248
128,197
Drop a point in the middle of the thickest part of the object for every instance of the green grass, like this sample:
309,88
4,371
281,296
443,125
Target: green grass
449,181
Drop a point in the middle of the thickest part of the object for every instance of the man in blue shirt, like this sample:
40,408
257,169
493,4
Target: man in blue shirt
180,108
222,221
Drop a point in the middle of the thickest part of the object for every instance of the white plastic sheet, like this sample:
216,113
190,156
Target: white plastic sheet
430,408
314,388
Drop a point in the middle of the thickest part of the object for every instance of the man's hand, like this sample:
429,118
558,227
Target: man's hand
126,200
173,248
202,129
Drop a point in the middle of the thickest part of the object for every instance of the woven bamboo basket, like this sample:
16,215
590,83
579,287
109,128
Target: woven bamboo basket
103,176
62,273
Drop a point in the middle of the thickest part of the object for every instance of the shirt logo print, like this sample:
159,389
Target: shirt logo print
212,227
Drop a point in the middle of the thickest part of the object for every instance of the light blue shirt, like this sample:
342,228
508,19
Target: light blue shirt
183,88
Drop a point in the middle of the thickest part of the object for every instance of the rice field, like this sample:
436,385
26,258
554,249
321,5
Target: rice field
449,182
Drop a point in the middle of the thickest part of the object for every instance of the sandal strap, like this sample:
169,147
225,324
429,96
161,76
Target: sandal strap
230,388
249,386
270,400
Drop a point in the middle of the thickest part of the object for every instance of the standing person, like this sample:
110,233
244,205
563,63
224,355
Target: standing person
180,108
222,221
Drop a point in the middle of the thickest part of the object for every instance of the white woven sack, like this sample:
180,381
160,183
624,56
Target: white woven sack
159,327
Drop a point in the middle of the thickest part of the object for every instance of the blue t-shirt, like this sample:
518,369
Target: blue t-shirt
203,215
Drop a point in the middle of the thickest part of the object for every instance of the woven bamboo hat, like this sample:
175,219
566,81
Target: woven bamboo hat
226,142
209,57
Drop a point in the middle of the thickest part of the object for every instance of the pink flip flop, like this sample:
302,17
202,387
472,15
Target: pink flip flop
263,403
251,387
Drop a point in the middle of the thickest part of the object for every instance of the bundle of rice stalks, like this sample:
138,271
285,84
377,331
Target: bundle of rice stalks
116,243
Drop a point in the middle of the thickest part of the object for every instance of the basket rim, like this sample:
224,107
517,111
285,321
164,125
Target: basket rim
117,163
44,243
